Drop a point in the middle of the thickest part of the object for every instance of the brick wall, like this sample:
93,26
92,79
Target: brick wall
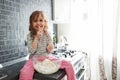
14,17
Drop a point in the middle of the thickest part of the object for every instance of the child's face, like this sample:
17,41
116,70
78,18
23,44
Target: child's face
38,23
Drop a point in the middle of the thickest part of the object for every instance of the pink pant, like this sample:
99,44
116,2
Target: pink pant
27,72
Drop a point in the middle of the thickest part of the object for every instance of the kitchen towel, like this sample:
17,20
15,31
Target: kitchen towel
27,72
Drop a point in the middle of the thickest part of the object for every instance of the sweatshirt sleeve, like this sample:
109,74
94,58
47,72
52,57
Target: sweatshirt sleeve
49,38
29,42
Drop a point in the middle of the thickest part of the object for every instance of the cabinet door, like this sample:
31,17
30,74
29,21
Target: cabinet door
62,10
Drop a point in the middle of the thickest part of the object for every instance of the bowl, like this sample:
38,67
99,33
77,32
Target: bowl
45,64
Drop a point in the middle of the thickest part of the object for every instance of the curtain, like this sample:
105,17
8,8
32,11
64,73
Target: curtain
97,24
110,39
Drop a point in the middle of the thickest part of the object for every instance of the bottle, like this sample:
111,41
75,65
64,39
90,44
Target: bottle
54,39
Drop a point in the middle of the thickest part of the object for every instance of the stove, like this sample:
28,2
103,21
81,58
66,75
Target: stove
70,55
76,58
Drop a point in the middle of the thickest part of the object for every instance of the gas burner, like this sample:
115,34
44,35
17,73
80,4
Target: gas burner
69,55
65,54
71,51
63,51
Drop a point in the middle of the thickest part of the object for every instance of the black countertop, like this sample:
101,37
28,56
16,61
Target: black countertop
13,73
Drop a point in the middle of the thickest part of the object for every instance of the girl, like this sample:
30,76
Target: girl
40,42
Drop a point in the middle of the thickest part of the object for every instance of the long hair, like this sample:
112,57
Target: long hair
34,16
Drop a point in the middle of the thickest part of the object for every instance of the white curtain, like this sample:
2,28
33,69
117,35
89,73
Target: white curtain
110,24
118,40
95,27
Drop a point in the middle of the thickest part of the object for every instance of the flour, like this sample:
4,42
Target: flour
46,67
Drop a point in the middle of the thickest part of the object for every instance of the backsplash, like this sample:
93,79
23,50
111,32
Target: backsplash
14,17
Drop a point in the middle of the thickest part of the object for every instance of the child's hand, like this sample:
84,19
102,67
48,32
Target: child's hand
50,48
39,33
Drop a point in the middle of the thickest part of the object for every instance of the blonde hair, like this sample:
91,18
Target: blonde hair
33,17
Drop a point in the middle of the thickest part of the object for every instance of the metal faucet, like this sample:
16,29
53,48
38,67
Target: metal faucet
65,42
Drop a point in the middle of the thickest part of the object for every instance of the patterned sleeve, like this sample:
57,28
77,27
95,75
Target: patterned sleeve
29,42
49,38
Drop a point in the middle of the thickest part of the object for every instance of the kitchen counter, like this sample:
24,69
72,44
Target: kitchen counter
13,73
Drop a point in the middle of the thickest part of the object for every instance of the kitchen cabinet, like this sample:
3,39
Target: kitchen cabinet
62,11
